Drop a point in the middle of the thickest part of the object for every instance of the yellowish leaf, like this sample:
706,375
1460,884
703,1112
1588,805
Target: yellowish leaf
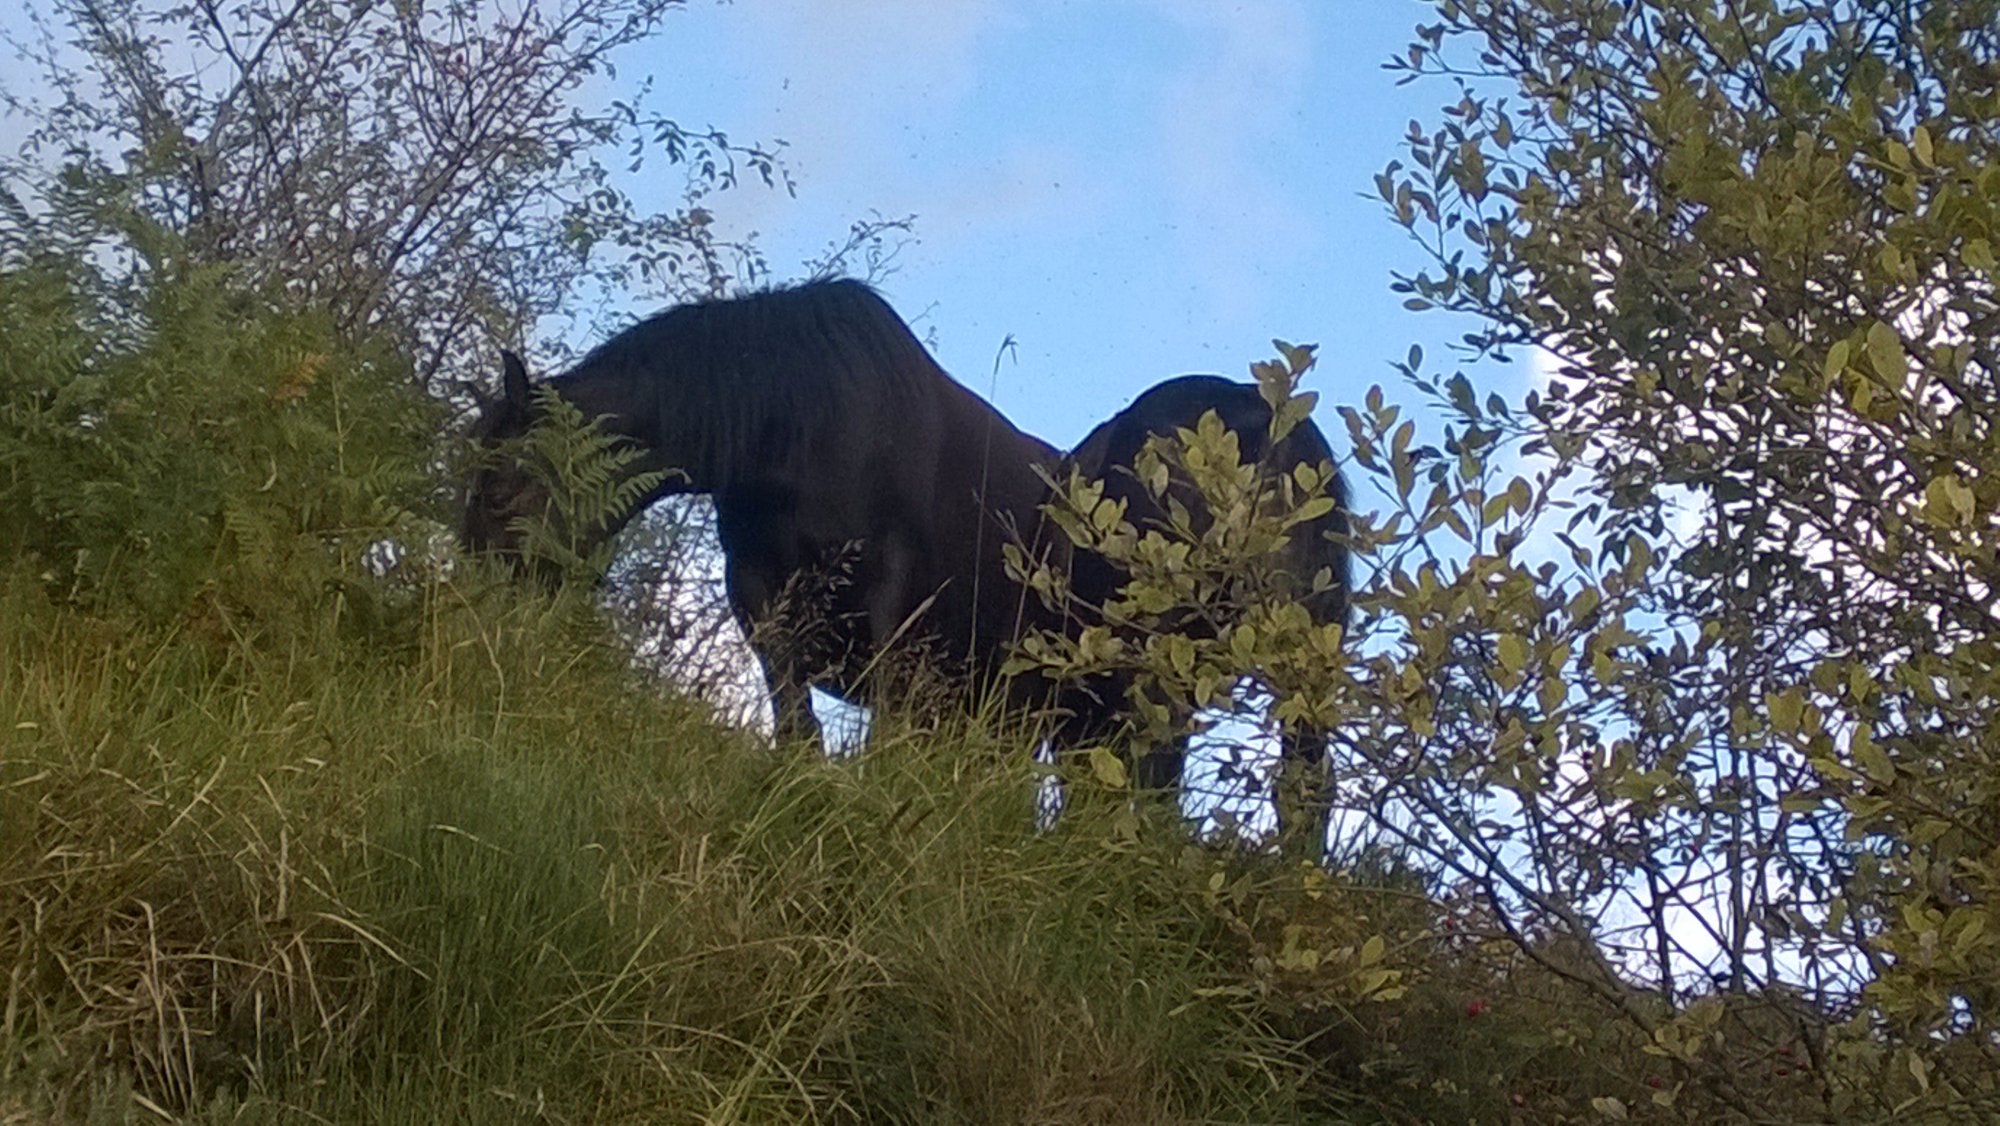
1885,352
1108,768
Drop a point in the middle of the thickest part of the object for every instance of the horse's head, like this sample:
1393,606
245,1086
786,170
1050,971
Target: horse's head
501,492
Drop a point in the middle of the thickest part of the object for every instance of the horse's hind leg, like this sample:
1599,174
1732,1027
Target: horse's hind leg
889,596
1302,796
1159,770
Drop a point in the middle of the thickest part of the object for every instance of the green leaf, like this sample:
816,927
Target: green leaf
1968,934
1860,393
1552,693
1243,645
1885,353
1457,524
1312,509
1871,758
1583,605
1785,708
1298,357
1371,984
1638,558
1949,501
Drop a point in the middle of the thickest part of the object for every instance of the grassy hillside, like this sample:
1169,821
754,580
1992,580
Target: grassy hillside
296,830
497,878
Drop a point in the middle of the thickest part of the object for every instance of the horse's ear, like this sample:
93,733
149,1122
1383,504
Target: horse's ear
514,381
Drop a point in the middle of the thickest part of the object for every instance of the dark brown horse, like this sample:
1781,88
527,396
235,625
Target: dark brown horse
857,488
1109,453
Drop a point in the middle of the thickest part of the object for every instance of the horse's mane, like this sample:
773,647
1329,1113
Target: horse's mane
724,379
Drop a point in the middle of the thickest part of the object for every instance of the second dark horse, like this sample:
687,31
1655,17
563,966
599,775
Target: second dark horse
838,455
1109,453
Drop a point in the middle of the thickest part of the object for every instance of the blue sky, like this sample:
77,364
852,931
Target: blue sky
1129,189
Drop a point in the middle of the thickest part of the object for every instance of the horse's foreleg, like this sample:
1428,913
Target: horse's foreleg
792,718
890,597
751,601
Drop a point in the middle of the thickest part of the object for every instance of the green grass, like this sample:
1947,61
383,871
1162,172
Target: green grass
493,876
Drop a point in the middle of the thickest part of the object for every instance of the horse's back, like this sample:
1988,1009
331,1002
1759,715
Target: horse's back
885,460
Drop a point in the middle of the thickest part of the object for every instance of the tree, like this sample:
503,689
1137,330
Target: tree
1757,238
431,172
1681,669
442,177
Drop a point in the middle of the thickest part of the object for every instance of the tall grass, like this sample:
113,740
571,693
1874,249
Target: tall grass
499,877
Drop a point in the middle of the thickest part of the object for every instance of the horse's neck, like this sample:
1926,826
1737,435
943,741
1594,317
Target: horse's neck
626,411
